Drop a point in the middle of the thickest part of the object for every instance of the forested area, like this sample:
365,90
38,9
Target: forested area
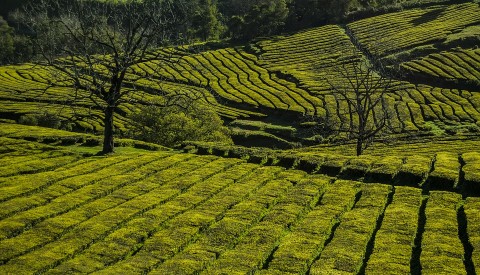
203,20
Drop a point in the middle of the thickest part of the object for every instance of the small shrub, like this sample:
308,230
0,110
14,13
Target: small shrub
49,120
451,130
91,142
44,119
433,128
473,128
67,126
28,119
175,124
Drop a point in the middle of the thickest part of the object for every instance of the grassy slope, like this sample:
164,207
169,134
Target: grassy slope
281,79
173,213
63,210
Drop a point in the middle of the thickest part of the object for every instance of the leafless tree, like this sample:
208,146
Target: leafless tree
92,47
360,91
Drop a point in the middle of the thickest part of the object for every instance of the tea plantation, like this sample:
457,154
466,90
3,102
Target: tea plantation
409,205
284,78
166,212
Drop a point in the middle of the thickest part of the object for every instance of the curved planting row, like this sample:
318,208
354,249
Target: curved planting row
173,213
400,31
421,106
458,64
25,90
237,77
85,118
308,56
203,94
54,137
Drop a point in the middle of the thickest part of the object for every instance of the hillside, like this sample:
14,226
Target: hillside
283,80
174,213
279,200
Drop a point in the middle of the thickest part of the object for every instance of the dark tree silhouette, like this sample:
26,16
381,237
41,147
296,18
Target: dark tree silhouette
362,89
91,47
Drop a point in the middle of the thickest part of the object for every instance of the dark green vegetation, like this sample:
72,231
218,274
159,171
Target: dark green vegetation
239,20
270,89
166,212
409,204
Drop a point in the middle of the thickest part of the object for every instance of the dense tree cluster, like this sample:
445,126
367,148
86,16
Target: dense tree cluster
15,46
204,20
6,40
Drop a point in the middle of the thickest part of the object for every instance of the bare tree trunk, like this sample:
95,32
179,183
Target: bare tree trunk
359,146
92,44
108,144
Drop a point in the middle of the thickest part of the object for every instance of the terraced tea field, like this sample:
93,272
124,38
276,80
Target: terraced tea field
24,90
283,78
175,213
410,206
417,107
455,65
414,29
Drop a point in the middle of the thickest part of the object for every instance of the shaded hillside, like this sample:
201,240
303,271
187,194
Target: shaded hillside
435,46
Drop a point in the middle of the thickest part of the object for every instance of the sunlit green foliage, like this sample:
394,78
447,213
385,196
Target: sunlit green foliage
394,241
167,212
171,125
390,33
306,241
347,250
442,251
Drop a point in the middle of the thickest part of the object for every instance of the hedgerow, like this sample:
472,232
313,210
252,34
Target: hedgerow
169,212
442,250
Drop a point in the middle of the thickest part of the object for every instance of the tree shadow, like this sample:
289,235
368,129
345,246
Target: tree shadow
428,17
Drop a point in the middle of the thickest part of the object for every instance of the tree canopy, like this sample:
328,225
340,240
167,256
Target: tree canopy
6,40
219,19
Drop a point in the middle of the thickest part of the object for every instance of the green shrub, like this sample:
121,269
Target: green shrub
433,128
45,120
49,120
473,128
28,119
172,125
